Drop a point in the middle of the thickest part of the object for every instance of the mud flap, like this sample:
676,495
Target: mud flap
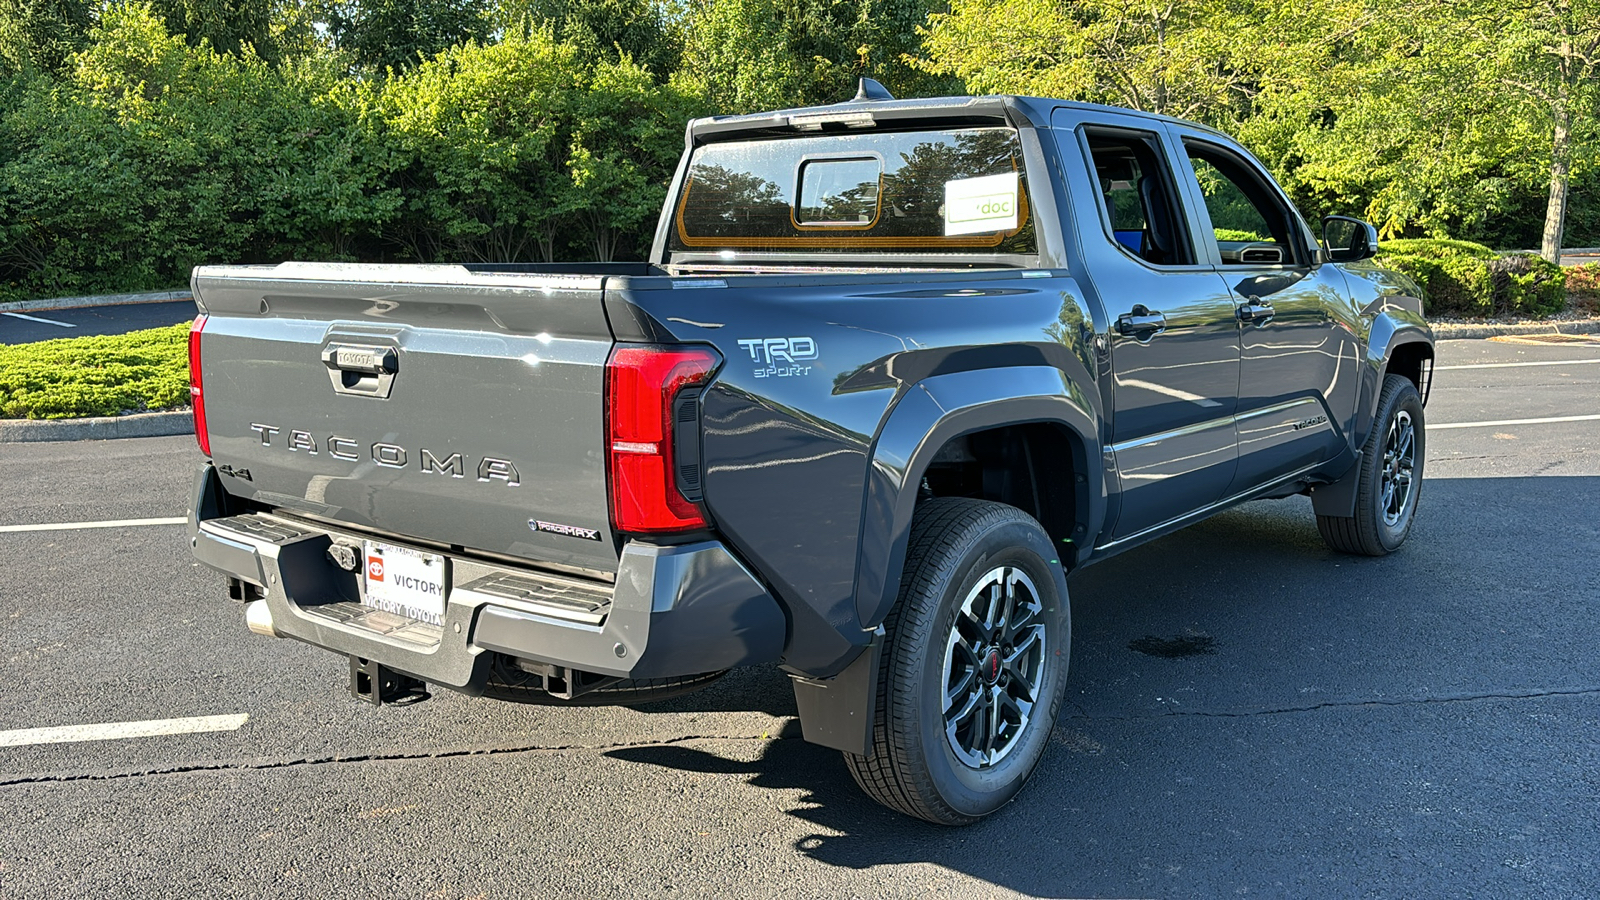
838,712
1339,498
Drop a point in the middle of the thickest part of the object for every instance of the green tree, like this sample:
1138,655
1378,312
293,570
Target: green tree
480,135
38,35
400,34
153,156
227,25
603,30
750,55
1543,56
1152,55
626,139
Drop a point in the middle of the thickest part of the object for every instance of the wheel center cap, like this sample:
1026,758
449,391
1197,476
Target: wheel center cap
990,670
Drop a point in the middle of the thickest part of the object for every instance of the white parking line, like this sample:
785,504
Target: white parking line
37,319
114,731
112,523
1551,362
1549,421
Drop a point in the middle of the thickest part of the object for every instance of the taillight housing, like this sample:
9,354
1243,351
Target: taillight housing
197,397
651,397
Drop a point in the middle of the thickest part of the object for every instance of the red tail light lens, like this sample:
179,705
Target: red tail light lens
641,384
197,397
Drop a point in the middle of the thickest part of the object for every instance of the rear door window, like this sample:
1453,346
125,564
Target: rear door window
946,191
1138,195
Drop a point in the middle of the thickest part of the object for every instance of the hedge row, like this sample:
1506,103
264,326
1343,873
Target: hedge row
95,376
147,156
1460,278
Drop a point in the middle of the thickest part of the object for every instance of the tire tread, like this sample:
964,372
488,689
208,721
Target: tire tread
1358,534
892,775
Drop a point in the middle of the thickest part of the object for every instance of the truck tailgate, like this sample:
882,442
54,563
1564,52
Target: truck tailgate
426,402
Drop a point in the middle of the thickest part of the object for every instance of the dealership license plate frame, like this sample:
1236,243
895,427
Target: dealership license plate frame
399,569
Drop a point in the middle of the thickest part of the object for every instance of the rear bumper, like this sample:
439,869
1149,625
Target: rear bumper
674,610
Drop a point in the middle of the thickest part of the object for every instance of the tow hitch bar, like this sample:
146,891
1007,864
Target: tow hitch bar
379,685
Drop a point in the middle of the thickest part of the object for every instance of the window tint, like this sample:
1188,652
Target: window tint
1244,211
1136,193
957,190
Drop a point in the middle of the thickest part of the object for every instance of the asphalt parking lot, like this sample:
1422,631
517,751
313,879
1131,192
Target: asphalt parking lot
27,326
1423,725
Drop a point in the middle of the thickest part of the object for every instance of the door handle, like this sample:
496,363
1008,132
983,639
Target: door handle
361,369
1142,323
1256,312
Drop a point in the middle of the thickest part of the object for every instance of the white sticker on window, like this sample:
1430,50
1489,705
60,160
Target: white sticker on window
978,205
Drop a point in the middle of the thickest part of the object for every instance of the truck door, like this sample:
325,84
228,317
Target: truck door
1174,338
1300,355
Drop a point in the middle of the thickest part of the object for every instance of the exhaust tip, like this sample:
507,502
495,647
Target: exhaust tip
259,618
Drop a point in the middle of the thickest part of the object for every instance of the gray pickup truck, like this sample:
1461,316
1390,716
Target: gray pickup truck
895,368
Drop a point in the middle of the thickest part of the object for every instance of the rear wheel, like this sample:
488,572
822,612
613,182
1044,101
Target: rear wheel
1390,473
974,664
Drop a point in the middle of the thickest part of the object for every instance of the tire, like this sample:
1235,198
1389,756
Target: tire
961,554
507,682
1390,473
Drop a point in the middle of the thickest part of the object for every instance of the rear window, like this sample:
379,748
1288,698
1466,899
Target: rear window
957,191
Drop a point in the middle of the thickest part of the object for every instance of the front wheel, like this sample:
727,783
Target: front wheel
974,664
1390,473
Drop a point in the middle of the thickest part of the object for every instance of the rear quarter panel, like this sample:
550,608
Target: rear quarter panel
813,368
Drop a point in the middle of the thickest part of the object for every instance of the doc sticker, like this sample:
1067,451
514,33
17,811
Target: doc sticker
977,205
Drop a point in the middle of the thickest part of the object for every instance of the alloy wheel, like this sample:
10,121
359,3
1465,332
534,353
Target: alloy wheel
993,666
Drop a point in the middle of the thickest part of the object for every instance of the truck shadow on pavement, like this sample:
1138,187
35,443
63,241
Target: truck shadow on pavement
1352,719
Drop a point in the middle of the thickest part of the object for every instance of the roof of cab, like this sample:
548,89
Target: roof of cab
1035,111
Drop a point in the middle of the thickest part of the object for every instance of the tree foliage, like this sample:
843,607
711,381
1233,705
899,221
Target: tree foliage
769,54
399,34
39,35
139,139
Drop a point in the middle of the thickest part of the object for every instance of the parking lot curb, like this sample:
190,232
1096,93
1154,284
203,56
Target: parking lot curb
97,300
1469,331
156,424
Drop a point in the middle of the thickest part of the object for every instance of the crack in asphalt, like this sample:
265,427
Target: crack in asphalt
1341,704
776,734
269,764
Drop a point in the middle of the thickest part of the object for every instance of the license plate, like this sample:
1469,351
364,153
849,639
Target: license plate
404,582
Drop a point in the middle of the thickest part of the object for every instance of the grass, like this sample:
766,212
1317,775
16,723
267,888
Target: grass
96,376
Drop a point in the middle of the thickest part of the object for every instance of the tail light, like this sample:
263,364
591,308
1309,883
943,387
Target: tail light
651,415
197,397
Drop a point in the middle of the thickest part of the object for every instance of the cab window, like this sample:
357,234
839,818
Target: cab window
1250,225
1138,198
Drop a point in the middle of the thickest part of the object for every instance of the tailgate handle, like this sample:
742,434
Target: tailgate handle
361,369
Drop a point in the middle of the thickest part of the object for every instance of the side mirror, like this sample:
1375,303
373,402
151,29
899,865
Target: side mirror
1346,240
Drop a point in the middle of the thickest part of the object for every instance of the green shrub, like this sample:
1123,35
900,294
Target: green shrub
95,376
1526,284
1451,285
1460,278
1235,234
1436,248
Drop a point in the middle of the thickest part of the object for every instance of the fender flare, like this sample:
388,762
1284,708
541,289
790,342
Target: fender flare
943,407
1391,330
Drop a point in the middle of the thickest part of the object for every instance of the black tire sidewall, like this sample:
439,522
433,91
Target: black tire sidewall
977,792
1390,537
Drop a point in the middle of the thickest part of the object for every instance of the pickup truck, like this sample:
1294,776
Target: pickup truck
894,369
